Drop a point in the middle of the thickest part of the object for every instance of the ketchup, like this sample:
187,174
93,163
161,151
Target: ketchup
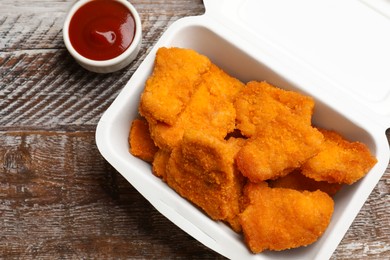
102,29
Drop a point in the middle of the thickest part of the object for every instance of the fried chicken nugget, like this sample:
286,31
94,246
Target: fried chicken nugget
173,81
141,144
160,162
210,110
259,103
297,181
279,219
280,147
202,170
341,161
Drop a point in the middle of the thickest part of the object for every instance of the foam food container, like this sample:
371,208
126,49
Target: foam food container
338,52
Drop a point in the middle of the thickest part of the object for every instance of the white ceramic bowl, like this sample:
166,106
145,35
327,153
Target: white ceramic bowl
111,65
248,58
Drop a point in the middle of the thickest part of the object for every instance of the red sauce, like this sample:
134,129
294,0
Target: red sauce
102,29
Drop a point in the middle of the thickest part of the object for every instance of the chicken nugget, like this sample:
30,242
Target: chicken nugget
202,170
221,84
160,162
297,181
175,77
280,147
259,103
209,110
141,144
279,219
341,161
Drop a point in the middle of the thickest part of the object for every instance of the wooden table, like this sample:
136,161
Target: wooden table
59,199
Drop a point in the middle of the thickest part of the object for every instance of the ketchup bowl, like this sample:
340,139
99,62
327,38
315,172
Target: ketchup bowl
103,36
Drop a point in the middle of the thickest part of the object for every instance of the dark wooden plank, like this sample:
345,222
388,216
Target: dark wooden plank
37,24
42,86
60,199
37,93
369,235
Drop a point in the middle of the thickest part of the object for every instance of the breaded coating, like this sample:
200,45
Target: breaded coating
340,161
160,162
279,219
175,78
210,110
259,103
245,154
282,146
297,181
202,170
141,144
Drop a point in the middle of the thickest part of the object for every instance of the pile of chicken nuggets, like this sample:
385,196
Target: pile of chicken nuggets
246,154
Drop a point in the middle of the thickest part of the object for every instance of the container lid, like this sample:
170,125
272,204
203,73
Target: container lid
346,42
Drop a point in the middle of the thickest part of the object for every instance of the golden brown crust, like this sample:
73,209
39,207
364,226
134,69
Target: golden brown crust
210,110
260,103
175,78
279,219
219,141
202,170
141,144
282,146
297,181
160,162
340,161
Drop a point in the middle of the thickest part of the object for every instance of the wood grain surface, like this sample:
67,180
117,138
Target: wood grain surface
59,199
